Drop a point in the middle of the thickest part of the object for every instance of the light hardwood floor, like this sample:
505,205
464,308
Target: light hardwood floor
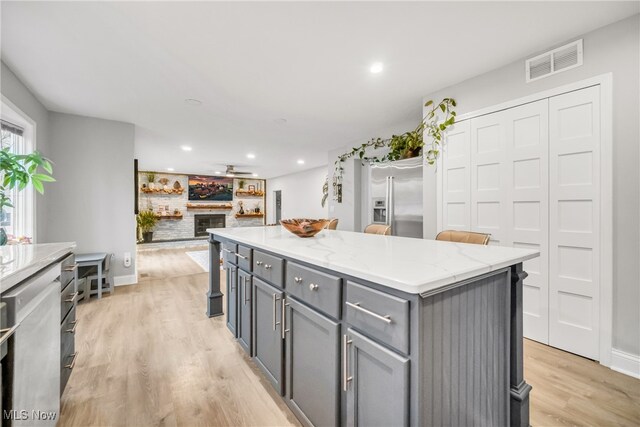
149,356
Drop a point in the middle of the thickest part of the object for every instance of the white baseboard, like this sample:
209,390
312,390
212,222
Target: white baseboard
626,363
130,279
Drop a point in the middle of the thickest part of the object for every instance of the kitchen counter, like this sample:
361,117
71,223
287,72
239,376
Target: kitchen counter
415,266
359,329
18,262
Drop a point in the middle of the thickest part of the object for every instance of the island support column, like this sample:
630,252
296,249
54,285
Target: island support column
519,388
214,297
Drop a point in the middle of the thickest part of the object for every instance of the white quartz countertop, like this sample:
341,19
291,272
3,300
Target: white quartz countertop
415,266
18,262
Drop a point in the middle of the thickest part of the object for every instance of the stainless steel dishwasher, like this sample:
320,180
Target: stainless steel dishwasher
34,308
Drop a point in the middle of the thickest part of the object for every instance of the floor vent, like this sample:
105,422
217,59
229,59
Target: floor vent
555,61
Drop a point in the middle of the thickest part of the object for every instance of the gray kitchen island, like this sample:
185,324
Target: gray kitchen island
358,329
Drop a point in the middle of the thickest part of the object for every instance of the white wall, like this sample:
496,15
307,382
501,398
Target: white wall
614,48
17,93
301,195
93,199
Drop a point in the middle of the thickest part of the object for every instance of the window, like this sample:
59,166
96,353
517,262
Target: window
17,221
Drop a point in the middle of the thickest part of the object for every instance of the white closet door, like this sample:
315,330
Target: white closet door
488,177
528,208
574,149
455,178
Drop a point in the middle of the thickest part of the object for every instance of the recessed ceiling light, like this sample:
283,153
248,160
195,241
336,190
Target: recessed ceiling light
255,174
170,169
186,148
217,172
300,162
193,102
251,156
376,67
230,175
281,121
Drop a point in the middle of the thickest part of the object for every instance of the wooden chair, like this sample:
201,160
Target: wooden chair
378,229
464,237
333,224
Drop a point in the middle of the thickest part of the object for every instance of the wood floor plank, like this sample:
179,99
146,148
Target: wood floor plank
149,356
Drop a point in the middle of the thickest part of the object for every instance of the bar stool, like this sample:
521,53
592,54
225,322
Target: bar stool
378,229
464,237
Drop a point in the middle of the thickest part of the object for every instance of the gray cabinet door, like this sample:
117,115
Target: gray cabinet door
232,299
244,311
313,365
377,382
267,328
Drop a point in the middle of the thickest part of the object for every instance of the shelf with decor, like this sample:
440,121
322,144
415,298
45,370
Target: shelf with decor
162,190
172,216
247,193
209,206
250,215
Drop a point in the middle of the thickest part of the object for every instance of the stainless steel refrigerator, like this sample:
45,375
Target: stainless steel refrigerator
395,193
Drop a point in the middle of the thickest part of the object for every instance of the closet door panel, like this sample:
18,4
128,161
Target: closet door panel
574,124
528,216
488,176
455,178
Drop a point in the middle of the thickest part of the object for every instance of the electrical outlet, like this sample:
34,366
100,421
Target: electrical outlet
127,259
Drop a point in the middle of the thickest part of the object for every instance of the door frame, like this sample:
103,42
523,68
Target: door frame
605,81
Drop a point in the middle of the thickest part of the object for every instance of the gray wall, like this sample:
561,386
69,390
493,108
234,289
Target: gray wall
92,201
614,48
16,92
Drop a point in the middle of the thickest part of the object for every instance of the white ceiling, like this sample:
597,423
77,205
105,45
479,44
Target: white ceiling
253,63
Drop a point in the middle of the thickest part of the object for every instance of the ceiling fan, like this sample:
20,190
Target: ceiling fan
232,171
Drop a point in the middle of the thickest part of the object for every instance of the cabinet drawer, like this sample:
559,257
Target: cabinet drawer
244,257
229,252
67,270
67,333
269,268
68,299
379,315
318,289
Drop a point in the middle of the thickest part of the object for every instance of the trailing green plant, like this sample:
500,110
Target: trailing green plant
146,220
19,170
426,136
151,177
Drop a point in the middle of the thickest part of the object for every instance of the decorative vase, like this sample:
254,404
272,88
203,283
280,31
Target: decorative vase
147,236
410,153
3,237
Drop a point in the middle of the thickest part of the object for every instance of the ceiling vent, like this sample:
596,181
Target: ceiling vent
555,61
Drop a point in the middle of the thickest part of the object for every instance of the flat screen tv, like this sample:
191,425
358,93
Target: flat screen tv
210,188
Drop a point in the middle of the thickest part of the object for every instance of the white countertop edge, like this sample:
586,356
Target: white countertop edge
417,288
57,250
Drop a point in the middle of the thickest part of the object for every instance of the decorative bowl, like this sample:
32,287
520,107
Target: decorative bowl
304,227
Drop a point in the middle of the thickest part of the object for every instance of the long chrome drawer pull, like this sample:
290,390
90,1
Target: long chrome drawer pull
242,256
284,317
73,297
71,267
275,317
297,279
73,330
73,362
357,306
345,362
6,333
